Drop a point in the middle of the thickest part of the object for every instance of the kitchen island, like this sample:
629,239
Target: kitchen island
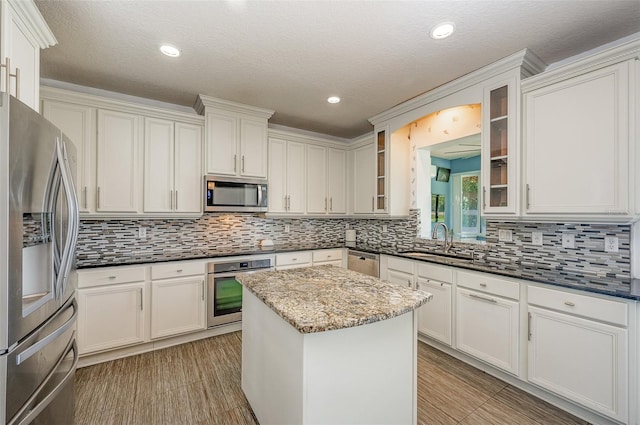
326,345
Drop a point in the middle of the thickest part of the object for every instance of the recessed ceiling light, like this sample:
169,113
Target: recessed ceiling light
333,99
442,30
170,51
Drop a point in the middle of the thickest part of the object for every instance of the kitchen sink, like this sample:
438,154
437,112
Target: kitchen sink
441,257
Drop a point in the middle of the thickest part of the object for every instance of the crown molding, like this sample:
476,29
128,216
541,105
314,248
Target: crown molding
203,102
524,59
27,13
305,138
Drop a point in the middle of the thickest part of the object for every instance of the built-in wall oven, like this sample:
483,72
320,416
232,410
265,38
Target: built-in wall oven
224,292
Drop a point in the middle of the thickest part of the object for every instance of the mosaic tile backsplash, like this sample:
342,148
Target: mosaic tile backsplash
586,265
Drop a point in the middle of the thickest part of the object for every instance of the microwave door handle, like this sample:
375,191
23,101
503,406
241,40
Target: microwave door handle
259,195
73,216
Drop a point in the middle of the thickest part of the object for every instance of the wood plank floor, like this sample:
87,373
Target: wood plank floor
199,383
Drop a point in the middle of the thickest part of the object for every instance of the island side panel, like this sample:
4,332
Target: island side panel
271,364
362,375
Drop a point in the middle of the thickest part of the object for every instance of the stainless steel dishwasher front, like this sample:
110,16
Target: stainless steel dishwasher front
364,262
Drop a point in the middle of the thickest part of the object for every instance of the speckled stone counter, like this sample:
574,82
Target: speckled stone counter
323,298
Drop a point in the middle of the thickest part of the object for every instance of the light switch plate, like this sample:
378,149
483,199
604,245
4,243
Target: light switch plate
142,232
505,235
385,228
568,240
287,228
536,238
610,244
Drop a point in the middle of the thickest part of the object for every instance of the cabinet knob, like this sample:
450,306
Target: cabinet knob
569,303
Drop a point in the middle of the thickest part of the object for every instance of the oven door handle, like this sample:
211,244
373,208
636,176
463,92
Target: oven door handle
233,274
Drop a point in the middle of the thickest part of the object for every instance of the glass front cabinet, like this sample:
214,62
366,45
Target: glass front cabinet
499,145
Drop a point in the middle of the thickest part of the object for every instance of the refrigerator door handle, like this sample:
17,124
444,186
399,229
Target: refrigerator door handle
72,228
22,357
33,413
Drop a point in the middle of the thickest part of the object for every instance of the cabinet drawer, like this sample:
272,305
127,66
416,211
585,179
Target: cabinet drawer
489,284
395,263
582,305
435,272
327,255
177,269
292,258
110,276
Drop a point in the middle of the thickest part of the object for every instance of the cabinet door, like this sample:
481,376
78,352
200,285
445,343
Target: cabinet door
577,144
582,360
400,278
277,176
434,318
177,306
337,181
188,185
499,150
296,177
118,166
253,148
79,124
222,142
317,202
158,165
110,317
24,53
364,177
487,327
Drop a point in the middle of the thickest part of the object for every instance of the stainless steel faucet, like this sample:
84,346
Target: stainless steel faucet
447,245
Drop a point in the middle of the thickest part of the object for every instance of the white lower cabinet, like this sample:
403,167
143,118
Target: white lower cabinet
294,260
574,354
328,256
487,322
111,308
177,306
434,318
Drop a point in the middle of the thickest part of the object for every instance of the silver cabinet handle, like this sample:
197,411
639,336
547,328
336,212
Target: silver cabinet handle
373,203
484,197
141,301
569,303
112,277
528,190
325,204
202,289
484,285
98,197
409,283
235,163
478,297
171,199
242,164
288,202
85,197
331,203
529,327
179,271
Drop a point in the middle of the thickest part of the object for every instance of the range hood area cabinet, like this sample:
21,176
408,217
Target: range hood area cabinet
235,137
580,138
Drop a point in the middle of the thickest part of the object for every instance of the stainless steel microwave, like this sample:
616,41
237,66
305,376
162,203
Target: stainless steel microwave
227,194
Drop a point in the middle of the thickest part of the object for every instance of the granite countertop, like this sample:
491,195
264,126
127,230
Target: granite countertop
323,298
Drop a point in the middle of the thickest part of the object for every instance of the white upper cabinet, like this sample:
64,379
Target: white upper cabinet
119,171
172,176
326,180
236,138
78,122
23,32
578,141
286,176
364,179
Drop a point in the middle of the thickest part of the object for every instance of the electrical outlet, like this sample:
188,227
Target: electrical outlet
142,232
610,244
347,226
536,238
385,228
568,240
505,235
287,228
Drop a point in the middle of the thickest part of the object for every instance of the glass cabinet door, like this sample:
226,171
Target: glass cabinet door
499,160
381,180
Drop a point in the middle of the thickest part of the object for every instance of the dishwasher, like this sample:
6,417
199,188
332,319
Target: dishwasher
363,262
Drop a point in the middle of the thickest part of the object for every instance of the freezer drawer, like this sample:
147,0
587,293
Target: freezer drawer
39,369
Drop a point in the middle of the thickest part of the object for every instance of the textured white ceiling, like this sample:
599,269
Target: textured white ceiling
291,55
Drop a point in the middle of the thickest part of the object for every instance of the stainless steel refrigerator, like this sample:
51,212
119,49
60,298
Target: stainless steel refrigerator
38,233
